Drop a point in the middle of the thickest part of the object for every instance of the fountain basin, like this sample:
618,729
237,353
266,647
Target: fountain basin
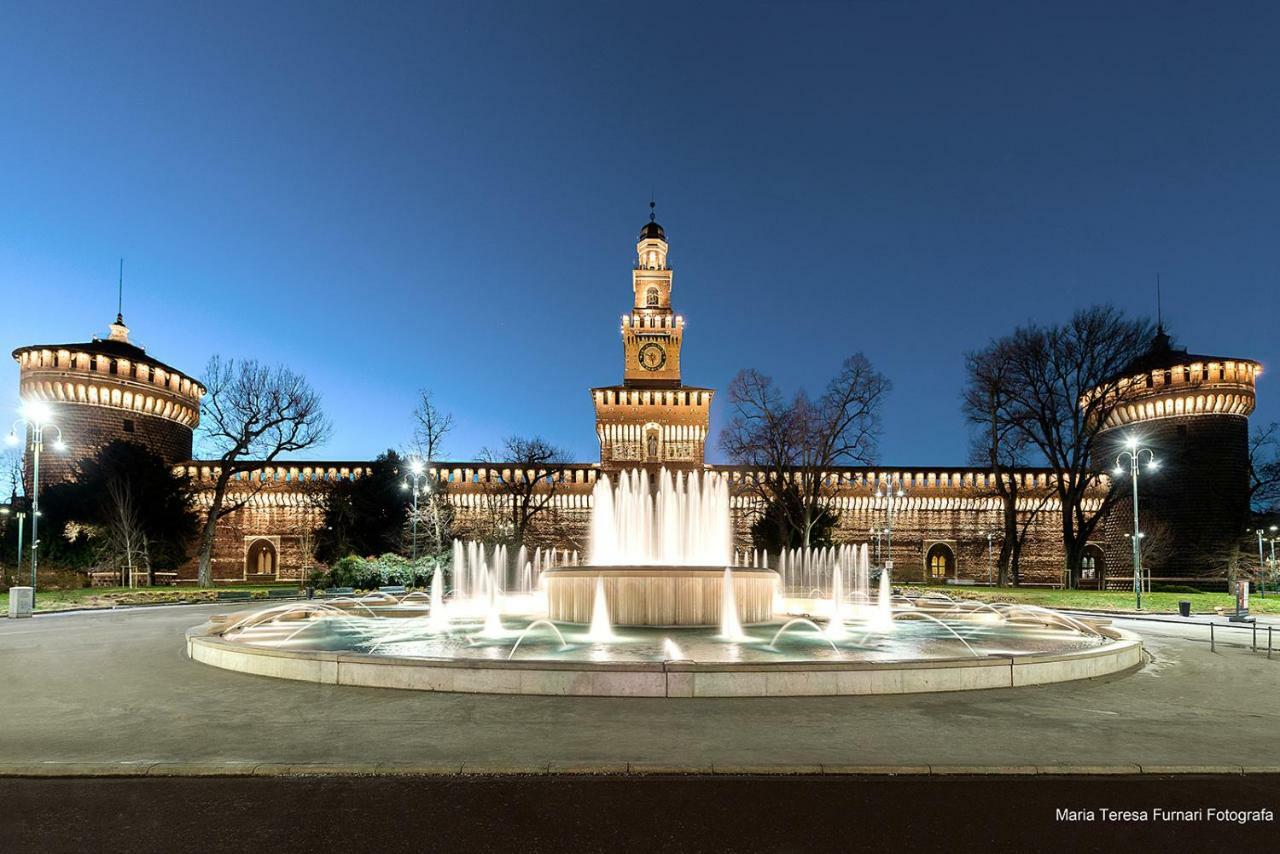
1118,652
659,595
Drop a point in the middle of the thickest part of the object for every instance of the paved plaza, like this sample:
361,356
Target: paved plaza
114,692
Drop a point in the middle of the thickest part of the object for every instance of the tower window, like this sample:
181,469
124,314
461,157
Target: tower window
128,425
651,298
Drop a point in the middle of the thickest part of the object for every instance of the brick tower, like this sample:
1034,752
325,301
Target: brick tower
108,389
1193,412
652,418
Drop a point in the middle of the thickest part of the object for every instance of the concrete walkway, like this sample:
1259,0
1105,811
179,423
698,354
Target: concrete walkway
113,692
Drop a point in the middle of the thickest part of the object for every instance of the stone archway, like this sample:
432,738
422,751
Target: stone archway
939,563
261,559
1093,567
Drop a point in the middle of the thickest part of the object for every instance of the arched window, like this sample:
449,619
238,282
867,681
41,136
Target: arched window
651,298
941,562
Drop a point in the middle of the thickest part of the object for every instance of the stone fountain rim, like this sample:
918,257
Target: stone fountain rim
1120,654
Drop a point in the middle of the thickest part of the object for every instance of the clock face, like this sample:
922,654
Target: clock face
652,357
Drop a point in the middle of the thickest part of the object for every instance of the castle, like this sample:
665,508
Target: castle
1195,408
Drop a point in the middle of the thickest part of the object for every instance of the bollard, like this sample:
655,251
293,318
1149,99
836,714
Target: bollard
1212,648
1268,642
1255,636
21,602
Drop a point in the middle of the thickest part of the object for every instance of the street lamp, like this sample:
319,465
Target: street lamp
876,532
889,491
1262,566
35,416
990,577
1273,549
17,508
1134,456
417,476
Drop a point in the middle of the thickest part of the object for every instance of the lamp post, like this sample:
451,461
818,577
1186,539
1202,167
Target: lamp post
1273,549
1262,565
36,416
417,475
17,508
1134,454
990,577
889,491
875,533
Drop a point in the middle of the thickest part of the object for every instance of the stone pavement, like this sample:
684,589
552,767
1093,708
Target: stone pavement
113,692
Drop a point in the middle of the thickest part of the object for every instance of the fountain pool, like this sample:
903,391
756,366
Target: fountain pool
660,611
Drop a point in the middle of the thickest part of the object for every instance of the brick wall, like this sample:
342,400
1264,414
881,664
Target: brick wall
87,428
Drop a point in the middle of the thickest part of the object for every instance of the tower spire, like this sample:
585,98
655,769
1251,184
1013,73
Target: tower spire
119,332
1161,343
652,212
1159,307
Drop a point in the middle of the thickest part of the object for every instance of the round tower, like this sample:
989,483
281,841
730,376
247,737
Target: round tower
1192,411
108,389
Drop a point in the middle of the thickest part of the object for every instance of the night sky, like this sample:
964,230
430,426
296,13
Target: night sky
447,195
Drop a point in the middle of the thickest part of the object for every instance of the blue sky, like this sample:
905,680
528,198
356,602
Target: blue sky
390,197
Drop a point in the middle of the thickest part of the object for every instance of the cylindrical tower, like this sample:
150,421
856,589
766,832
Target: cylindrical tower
108,389
1192,411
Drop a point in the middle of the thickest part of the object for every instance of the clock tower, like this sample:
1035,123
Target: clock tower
652,418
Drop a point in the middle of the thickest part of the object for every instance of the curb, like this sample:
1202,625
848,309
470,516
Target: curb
591,769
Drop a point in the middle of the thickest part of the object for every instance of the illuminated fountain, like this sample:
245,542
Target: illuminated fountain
662,602
659,551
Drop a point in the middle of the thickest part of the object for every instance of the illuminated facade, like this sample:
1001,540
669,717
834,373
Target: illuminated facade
652,419
1193,409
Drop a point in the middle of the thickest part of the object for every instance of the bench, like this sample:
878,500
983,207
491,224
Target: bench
283,593
394,589
338,591
233,595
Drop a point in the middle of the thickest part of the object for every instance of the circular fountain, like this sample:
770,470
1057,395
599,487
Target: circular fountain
663,609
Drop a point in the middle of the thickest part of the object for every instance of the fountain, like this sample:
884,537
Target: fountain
601,627
659,551
438,622
662,564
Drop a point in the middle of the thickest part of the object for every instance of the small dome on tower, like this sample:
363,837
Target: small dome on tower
651,230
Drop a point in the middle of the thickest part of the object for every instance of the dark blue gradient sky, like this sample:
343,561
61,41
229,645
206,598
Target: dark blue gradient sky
392,197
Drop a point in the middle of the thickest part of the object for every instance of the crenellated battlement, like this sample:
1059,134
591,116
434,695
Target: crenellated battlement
101,373
1194,387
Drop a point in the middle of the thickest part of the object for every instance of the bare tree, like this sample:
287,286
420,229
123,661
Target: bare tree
793,445
1062,384
251,415
1264,468
431,427
11,472
125,544
530,473
1001,446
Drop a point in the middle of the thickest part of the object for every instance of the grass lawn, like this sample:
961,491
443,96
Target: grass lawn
1113,600
1091,600
99,597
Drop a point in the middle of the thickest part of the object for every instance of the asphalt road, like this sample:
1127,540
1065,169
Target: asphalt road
556,814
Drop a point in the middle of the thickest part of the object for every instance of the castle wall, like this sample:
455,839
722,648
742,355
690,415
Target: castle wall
953,508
